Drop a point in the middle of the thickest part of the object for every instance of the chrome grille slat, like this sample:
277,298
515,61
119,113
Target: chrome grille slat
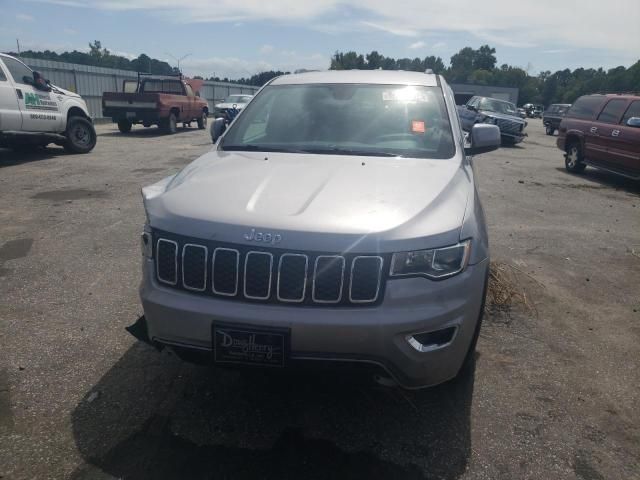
204,267
314,295
159,254
282,298
213,272
377,278
247,259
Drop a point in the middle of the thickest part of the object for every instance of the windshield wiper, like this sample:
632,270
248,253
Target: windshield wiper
249,147
350,151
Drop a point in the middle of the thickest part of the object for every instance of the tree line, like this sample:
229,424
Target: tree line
479,66
469,65
99,56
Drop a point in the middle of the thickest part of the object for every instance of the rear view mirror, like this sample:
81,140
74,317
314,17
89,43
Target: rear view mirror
218,127
484,138
634,122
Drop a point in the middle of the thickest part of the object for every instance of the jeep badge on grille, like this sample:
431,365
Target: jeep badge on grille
265,237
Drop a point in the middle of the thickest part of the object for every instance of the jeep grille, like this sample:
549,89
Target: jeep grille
269,275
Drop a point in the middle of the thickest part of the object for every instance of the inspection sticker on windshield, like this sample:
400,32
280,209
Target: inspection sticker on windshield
417,126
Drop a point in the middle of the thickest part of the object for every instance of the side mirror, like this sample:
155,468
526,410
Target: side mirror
40,82
471,107
634,122
218,127
484,138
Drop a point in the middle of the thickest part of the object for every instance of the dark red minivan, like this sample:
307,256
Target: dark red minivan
602,131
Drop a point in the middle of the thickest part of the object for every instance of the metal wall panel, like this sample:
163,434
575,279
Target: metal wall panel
92,82
94,104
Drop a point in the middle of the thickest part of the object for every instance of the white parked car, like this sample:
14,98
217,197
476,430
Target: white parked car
237,102
33,112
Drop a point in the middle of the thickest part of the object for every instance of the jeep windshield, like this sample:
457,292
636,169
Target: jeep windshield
345,119
498,106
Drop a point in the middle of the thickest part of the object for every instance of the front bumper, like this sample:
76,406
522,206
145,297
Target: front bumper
374,335
513,138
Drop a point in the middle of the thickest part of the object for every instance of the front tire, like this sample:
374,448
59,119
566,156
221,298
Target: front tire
202,121
81,136
574,158
124,126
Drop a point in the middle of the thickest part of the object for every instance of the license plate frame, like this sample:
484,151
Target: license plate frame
250,345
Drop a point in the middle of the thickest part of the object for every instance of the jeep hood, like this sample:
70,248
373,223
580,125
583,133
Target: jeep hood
320,202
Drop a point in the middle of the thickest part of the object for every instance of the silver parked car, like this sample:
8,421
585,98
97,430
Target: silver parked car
337,219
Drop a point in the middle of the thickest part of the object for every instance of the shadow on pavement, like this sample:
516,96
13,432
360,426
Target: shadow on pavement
10,158
148,132
607,179
152,416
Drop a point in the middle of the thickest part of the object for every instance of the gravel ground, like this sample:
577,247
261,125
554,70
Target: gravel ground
556,386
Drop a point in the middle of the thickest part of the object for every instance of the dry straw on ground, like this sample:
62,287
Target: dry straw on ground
505,291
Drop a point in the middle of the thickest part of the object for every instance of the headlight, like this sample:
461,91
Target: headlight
436,263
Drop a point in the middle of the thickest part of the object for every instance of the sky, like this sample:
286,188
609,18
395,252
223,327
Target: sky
238,38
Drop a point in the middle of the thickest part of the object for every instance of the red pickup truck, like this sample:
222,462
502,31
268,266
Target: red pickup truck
156,100
602,131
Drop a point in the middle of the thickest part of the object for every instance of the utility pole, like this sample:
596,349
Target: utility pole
18,44
178,60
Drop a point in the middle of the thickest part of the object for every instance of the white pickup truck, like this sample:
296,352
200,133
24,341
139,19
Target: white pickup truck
33,112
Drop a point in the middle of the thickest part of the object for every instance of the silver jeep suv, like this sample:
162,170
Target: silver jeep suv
336,220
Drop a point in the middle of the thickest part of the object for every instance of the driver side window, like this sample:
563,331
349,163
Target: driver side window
17,69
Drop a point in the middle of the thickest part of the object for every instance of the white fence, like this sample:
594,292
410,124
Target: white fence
92,82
